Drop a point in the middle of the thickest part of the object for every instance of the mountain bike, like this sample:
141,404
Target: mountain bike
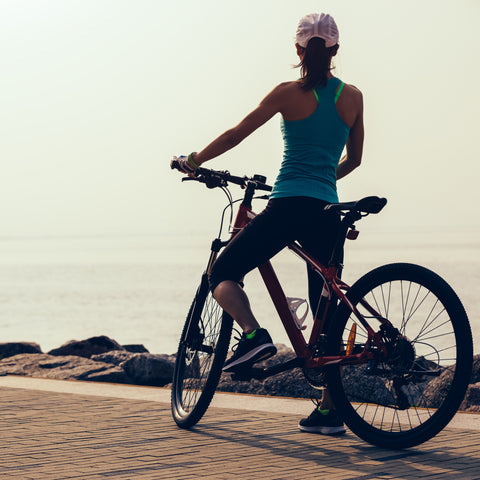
395,349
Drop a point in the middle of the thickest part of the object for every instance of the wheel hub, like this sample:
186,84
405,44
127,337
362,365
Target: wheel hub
401,354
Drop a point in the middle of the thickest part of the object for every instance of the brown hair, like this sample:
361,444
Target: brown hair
316,63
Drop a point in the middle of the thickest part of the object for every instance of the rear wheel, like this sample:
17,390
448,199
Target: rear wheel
408,396
201,354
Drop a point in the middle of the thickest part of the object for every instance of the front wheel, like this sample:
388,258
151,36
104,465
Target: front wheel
201,354
408,395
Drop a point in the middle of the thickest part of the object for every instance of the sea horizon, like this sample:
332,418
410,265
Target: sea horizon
138,288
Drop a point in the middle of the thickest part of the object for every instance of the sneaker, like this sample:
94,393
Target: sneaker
329,424
249,351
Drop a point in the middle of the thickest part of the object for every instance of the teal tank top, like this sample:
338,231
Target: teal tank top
312,149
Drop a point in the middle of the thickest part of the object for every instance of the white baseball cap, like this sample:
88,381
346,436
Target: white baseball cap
317,25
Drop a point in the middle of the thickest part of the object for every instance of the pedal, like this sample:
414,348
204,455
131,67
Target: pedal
246,374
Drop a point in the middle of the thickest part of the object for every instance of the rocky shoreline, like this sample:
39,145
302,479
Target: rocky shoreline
102,359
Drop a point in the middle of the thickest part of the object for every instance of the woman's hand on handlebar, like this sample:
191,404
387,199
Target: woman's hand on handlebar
184,165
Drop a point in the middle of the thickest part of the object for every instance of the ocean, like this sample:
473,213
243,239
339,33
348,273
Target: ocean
137,289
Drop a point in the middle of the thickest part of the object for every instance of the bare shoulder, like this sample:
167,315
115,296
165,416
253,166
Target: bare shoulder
350,104
286,88
353,94
352,88
293,84
282,95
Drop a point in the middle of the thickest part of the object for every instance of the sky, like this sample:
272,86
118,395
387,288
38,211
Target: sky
96,96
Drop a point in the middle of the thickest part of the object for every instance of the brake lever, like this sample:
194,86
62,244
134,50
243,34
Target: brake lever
211,180
208,181
214,182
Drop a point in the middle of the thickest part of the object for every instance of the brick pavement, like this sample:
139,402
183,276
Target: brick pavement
50,435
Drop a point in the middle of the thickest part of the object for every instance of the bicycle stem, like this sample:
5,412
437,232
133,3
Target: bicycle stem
249,193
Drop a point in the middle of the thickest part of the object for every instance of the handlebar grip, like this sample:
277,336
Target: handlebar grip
174,165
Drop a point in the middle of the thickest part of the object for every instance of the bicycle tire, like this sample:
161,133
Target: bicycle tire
398,403
200,357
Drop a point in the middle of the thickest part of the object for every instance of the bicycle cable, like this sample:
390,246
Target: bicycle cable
231,202
226,191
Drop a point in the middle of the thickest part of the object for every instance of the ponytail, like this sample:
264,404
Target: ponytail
316,63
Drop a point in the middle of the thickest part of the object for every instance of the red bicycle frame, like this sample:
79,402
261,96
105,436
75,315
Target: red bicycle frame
333,283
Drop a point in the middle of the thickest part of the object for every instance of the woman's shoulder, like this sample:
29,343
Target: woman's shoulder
351,95
288,91
350,104
352,90
288,87
284,93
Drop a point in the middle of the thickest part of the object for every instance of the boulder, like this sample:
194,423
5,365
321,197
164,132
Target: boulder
471,403
115,357
70,367
142,368
87,348
150,369
475,378
437,389
15,348
135,348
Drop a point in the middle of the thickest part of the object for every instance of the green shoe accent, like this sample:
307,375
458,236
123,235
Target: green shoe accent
250,335
324,412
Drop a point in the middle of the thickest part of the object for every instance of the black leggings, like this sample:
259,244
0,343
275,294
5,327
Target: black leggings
283,221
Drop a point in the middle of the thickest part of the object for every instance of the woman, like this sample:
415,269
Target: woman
320,116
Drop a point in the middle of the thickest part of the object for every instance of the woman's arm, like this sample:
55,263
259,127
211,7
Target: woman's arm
353,158
268,107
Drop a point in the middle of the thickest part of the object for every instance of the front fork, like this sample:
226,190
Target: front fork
192,335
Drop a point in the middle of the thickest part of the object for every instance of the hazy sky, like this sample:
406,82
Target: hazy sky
97,95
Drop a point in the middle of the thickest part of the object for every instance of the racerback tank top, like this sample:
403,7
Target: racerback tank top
312,149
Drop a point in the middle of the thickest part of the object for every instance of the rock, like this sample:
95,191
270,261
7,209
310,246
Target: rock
437,389
115,357
70,367
150,369
471,403
87,348
142,368
135,348
15,348
475,369
288,384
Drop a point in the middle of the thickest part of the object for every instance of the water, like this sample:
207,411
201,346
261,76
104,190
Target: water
138,289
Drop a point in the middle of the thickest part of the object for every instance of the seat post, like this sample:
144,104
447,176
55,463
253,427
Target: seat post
336,259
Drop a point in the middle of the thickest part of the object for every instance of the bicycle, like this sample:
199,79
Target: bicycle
377,345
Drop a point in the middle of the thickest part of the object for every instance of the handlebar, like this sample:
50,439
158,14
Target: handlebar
216,178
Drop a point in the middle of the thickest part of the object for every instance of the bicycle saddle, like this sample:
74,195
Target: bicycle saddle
365,205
